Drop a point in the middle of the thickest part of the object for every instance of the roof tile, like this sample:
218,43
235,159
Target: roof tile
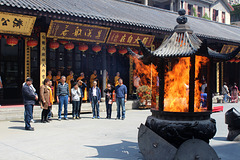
128,13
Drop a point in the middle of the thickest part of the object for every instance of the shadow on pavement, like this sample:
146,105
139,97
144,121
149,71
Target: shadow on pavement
17,121
17,127
228,151
125,151
220,138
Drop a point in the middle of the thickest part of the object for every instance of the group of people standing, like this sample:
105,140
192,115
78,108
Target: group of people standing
121,98
76,91
230,94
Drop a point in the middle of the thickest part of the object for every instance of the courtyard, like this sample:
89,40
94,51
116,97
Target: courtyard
93,139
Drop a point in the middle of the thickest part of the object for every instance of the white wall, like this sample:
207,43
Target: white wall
207,8
221,7
196,4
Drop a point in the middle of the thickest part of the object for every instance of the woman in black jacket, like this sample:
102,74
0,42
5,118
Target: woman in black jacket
109,100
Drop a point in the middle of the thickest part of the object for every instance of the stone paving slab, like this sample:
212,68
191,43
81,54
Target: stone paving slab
93,139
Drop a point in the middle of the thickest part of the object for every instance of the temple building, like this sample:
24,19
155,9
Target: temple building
83,36
215,10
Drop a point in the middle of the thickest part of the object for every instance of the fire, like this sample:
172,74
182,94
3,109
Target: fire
148,76
176,86
176,83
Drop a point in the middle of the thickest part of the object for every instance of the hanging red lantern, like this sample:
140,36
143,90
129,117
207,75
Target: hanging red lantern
63,42
96,48
135,51
237,60
231,61
69,46
111,49
54,45
122,51
32,43
12,41
83,47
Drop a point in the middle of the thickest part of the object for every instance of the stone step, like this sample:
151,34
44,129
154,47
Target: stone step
17,113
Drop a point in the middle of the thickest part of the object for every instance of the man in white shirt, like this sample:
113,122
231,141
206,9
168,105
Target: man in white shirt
95,97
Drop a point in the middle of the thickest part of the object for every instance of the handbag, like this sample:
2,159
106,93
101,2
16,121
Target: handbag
110,101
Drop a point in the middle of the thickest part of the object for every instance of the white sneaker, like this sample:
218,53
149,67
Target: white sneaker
32,121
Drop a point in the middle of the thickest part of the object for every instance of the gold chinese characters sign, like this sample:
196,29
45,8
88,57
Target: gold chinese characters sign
77,31
43,59
16,23
27,60
129,38
229,49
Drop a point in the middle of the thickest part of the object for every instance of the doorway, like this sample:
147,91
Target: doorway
11,72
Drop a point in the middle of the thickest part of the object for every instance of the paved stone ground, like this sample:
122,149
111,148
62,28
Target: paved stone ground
93,139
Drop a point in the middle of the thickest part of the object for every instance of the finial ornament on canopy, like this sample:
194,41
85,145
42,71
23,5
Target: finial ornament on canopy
182,19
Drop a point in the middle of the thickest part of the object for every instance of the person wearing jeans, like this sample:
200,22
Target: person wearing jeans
121,98
29,98
225,92
63,97
95,97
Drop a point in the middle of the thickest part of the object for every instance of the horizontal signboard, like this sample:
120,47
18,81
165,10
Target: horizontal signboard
16,23
77,31
129,38
229,49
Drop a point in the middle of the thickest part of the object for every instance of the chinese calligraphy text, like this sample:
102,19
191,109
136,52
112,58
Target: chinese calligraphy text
77,31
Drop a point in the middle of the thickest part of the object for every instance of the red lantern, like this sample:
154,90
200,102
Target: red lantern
63,42
237,60
135,51
83,47
231,61
12,41
54,45
69,46
112,50
122,51
32,43
96,48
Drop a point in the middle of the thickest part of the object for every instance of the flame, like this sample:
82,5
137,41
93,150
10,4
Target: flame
176,86
200,61
148,76
176,83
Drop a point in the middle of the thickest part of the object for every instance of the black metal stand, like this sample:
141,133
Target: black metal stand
210,84
191,84
161,74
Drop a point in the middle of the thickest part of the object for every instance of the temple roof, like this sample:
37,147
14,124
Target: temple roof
124,12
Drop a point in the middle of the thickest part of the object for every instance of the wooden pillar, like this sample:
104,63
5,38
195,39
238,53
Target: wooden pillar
43,66
191,84
130,75
104,65
161,74
27,60
217,77
171,5
146,2
222,71
209,84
